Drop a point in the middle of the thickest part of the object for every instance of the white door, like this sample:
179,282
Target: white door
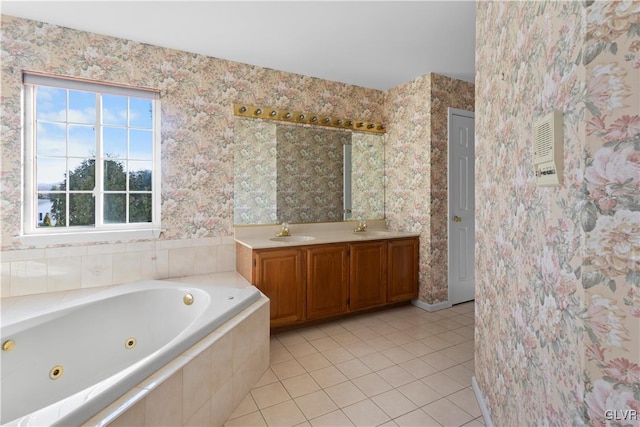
461,206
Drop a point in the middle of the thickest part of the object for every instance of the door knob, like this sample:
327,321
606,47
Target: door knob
457,218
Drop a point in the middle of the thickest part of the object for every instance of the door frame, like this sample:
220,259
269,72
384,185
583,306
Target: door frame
469,114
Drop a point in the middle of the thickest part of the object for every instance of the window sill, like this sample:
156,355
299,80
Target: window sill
97,236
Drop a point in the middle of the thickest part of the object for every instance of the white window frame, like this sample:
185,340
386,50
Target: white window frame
100,232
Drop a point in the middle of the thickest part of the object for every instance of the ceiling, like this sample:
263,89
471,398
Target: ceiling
374,44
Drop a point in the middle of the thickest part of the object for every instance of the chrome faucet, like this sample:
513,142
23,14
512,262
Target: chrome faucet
362,226
284,231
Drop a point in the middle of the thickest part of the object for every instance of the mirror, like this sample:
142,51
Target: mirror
305,174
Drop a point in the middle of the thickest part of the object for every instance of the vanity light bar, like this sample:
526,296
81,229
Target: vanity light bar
266,113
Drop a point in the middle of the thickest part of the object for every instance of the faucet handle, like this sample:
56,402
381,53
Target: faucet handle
284,231
362,226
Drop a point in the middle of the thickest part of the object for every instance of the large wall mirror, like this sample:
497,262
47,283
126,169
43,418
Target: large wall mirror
305,174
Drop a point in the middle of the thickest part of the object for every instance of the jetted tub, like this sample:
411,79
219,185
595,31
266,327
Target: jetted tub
61,367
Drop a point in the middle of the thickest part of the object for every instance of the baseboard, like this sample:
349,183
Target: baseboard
482,403
430,307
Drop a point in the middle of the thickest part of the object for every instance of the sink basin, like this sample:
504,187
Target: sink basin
292,238
372,232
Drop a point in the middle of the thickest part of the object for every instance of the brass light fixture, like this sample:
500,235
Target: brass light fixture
266,113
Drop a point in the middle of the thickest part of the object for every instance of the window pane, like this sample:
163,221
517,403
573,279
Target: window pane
140,176
114,142
58,208
140,208
114,110
51,139
140,113
51,104
82,107
140,144
82,174
80,136
82,141
115,178
115,208
51,174
82,209
45,206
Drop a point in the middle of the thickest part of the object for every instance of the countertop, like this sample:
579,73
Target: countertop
264,237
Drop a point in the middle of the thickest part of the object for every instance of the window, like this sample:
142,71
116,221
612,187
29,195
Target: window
92,157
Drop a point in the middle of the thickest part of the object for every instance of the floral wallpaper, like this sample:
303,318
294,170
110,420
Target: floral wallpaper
445,93
310,168
197,96
408,168
611,212
557,268
255,174
367,175
417,163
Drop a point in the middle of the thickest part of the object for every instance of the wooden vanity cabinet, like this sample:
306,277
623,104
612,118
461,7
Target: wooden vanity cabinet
402,278
279,274
327,280
305,283
368,275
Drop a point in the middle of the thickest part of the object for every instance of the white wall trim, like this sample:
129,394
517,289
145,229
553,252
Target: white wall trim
430,307
482,402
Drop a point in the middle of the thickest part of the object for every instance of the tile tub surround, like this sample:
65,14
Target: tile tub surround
258,237
42,270
204,384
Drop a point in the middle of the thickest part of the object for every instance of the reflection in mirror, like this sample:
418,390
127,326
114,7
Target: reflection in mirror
294,173
367,175
254,172
309,163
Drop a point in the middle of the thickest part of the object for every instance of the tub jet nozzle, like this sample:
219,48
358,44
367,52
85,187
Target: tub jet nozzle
56,372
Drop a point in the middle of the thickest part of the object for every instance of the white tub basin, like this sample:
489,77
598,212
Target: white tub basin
292,238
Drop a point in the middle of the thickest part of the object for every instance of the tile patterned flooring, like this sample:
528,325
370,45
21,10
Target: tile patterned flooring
398,367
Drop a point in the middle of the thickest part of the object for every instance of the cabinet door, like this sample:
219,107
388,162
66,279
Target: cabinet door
327,280
402,282
279,275
368,275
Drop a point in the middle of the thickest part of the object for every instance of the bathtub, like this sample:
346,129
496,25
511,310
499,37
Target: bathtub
61,367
